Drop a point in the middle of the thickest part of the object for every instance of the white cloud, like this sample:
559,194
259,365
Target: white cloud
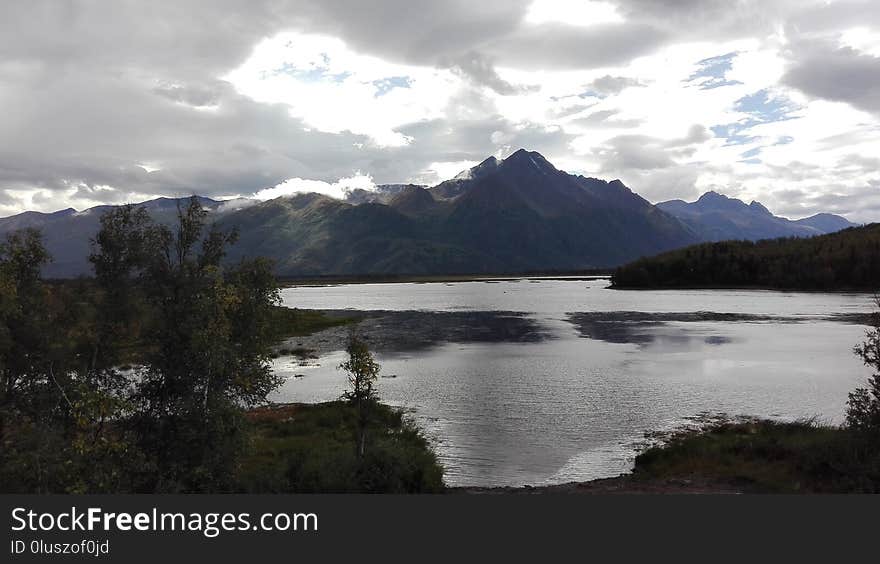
337,189
333,88
862,39
440,171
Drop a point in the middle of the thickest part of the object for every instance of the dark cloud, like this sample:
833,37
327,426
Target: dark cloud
478,69
560,46
196,96
638,152
642,152
95,131
98,93
838,74
820,17
713,20
444,140
102,90
422,32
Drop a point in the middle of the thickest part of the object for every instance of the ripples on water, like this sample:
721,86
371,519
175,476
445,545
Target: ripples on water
604,366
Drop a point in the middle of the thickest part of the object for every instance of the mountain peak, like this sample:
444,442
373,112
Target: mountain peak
524,154
712,196
488,165
759,207
526,158
713,201
826,222
716,217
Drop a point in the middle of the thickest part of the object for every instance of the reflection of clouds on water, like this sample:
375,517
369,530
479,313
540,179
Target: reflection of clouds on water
394,332
664,331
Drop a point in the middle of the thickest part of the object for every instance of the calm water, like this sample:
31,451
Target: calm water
574,405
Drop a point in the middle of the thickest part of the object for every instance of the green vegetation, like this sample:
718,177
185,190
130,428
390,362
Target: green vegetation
363,371
768,457
863,406
287,322
314,448
846,260
141,379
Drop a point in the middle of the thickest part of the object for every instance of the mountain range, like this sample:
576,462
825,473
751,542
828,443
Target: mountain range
502,216
715,217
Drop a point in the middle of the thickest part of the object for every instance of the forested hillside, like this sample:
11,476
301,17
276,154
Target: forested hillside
849,259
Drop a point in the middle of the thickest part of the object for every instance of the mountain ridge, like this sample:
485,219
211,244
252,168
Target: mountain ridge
716,217
507,215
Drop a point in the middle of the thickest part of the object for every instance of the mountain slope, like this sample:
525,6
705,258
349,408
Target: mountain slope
531,216
309,235
67,233
514,215
715,217
826,222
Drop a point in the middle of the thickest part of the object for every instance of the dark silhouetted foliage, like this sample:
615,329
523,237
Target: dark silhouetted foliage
139,380
863,406
313,448
849,259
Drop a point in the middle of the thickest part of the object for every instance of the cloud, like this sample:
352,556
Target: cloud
191,95
573,12
839,74
338,189
481,72
108,102
642,152
610,85
605,119
559,46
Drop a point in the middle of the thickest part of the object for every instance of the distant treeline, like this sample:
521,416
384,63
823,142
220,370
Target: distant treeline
846,260
452,277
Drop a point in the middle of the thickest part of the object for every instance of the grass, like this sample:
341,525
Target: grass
312,448
763,456
291,322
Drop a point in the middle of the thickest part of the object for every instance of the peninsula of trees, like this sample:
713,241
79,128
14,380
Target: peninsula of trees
846,260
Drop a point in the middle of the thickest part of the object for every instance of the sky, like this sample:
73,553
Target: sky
113,102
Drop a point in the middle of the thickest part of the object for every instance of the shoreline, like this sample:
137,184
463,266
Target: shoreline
333,280
622,484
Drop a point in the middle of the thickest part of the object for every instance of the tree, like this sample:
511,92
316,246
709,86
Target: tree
863,406
203,346
24,339
136,380
49,439
122,251
363,371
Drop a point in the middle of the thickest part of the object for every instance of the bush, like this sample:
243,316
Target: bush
314,448
863,406
769,456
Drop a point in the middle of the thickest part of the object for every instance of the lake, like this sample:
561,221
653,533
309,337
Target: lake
548,380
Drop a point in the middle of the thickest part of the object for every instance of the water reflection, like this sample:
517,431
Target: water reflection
559,383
